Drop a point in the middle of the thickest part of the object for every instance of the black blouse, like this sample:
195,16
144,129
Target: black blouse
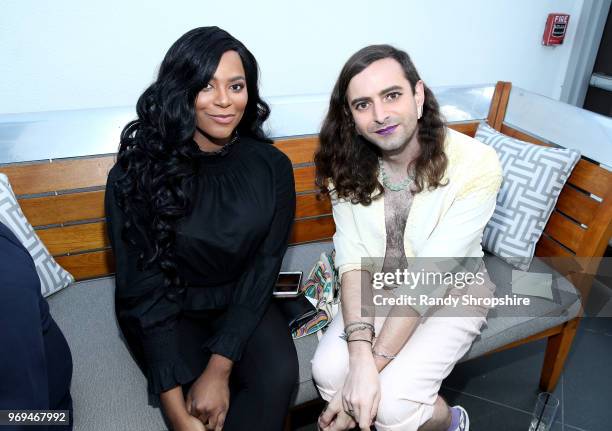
229,251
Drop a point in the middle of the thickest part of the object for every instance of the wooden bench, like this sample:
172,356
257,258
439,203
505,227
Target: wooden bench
63,199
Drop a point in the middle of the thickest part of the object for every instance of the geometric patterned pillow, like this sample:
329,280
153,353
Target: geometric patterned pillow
533,177
52,276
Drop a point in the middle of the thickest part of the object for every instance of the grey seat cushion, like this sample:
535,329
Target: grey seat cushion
109,391
511,323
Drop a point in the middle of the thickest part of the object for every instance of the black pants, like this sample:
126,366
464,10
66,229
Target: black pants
263,381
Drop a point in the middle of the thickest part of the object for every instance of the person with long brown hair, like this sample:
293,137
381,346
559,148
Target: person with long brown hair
403,186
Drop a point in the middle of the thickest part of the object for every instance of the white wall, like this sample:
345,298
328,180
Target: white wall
71,54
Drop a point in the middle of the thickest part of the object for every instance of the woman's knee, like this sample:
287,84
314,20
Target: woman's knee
283,369
285,375
270,361
278,377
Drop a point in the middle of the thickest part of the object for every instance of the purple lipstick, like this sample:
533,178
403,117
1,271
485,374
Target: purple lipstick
387,130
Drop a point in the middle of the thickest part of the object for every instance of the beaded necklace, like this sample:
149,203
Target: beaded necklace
397,187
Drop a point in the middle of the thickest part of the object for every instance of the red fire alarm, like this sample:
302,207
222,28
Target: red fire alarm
554,32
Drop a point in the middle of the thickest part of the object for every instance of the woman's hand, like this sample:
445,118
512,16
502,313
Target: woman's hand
361,391
189,423
333,417
208,398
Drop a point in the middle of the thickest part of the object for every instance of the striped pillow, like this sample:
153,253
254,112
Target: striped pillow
52,276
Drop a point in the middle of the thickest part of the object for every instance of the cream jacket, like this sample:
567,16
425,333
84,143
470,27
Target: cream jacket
445,222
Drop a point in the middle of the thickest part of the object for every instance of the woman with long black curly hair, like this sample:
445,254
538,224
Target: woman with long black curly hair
199,209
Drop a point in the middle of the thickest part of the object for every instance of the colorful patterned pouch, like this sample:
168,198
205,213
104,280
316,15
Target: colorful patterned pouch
323,291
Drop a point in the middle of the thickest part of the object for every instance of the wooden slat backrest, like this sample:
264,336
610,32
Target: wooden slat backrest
67,206
57,175
64,201
64,208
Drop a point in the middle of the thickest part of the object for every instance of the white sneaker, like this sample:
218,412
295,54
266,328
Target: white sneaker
464,419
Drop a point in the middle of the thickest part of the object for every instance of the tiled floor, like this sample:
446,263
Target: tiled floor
499,390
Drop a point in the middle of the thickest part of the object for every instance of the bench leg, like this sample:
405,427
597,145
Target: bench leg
557,349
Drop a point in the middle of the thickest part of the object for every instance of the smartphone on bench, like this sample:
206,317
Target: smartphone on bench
288,284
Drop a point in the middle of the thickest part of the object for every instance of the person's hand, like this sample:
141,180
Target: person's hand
361,391
333,417
208,399
189,423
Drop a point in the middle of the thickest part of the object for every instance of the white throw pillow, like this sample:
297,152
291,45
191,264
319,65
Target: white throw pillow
533,177
52,276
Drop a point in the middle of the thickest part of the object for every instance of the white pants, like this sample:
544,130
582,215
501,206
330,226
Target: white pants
410,382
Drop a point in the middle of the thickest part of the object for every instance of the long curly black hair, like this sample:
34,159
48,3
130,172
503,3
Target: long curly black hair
157,150
351,161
